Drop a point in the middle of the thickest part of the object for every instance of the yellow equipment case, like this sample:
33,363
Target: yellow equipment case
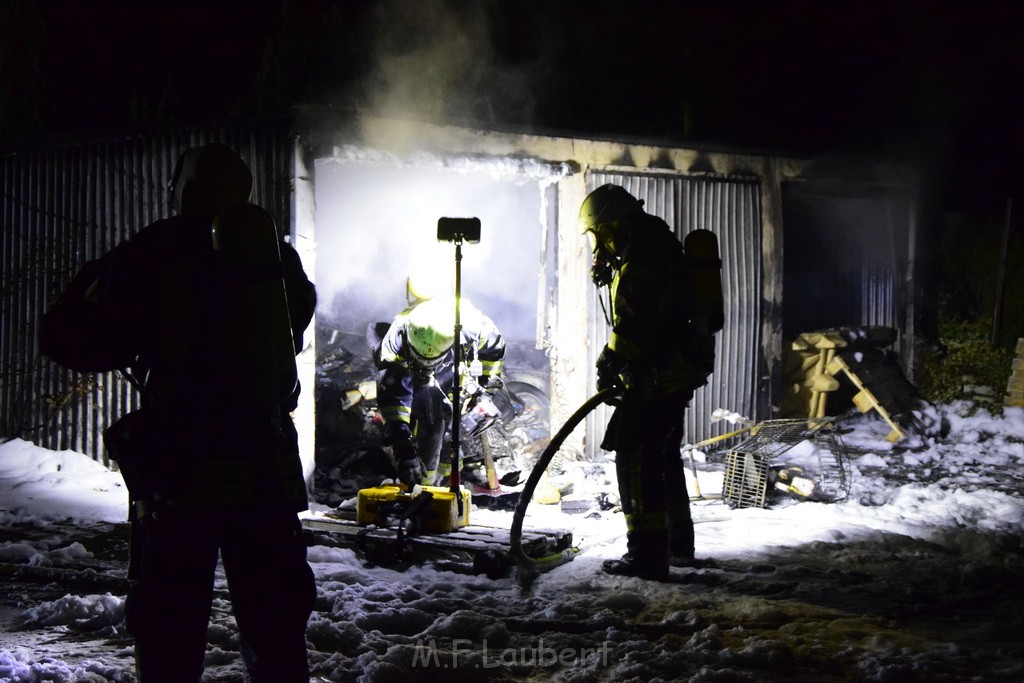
441,515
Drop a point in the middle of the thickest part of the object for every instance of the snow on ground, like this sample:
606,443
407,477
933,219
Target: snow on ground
51,486
915,576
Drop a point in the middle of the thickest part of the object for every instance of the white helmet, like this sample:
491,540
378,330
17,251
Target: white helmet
430,329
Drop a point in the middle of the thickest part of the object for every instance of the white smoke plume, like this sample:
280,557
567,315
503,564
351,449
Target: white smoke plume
435,61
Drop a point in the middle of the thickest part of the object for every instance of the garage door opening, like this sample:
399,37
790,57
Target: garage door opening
846,258
376,225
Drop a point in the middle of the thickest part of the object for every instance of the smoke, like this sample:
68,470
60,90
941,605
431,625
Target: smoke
444,62
377,225
436,61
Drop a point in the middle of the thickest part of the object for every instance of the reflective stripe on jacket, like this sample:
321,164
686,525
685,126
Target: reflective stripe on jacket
401,372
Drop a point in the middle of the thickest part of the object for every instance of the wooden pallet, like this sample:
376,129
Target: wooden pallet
1015,385
472,548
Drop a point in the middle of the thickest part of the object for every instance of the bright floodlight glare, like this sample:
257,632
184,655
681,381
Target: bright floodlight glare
376,226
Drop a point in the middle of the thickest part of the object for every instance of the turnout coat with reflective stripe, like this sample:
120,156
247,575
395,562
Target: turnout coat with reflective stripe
401,374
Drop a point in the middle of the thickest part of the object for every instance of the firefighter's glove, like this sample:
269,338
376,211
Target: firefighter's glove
404,448
411,472
410,467
489,383
610,366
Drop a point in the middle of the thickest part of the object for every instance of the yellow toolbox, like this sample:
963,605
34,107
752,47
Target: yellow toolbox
441,515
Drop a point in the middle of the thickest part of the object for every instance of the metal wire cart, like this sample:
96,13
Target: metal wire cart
816,465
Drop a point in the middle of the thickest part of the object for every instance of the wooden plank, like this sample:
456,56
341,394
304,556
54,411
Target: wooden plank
470,538
864,400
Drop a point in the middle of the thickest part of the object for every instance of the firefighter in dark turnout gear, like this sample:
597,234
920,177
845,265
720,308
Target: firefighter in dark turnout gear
212,317
660,356
416,378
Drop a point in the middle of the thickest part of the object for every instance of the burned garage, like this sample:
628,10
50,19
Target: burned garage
805,244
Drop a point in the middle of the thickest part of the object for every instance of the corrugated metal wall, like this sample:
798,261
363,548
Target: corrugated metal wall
64,204
731,209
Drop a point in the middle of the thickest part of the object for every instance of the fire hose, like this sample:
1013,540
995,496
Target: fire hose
528,566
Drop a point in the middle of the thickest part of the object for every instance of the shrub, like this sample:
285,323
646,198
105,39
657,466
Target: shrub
964,359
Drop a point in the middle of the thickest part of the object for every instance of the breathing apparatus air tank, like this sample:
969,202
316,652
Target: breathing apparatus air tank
262,367
704,281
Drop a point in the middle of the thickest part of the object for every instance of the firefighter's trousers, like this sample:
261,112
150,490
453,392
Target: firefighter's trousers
646,436
271,586
431,423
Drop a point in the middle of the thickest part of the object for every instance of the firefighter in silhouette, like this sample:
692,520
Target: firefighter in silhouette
208,308
416,378
660,350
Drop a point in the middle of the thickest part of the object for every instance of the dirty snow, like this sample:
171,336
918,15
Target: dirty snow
915,576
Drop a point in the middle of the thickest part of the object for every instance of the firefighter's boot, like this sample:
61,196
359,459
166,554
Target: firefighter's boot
680,546
631,566
647,557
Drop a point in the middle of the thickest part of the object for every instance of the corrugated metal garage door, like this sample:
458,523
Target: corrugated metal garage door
731,209
64,204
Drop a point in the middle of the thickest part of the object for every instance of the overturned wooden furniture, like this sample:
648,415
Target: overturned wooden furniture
848,363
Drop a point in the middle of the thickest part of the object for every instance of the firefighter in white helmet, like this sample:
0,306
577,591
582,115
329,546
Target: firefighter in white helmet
416,378
656,354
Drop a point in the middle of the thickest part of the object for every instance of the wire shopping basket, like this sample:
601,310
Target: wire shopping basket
818,470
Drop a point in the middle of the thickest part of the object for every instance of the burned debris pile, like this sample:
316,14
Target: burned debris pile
351,450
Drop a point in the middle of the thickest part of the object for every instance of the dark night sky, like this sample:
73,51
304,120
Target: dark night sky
924,83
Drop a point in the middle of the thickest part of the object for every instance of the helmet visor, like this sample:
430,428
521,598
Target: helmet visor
428,361
602,237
